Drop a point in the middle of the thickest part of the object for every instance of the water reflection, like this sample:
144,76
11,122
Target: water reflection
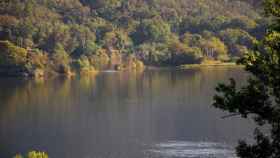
172,149
117,114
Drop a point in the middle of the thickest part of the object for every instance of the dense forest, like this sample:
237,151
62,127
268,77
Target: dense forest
39,37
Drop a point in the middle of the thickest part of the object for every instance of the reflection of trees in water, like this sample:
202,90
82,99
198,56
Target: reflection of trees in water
118,88
87,82
117,109
122,88
17,95
191,79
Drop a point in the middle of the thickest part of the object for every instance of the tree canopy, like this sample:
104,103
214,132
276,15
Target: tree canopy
85,27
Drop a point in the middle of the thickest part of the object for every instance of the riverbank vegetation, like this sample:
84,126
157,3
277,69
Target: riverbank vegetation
33,154
39,37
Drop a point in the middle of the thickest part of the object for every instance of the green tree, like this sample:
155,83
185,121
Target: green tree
11,55
191,39
152,30
242,22
260,98
234,37
154,53
183,54
29,7
117,39
100,59
214,48
61,60
237,36
83,62
8,25
60,54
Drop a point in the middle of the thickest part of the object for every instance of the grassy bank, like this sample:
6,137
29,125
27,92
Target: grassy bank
207,63
188,66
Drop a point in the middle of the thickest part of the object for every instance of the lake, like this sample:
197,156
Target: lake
155,113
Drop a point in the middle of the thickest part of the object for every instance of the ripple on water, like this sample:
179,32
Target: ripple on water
187,149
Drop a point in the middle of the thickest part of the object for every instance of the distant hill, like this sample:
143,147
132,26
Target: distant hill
73,34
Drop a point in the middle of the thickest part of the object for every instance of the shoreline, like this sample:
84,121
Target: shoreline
181,67
190,66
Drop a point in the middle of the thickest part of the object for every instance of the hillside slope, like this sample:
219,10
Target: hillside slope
63,35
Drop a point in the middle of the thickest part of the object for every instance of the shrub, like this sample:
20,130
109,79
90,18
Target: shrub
33,154
10,54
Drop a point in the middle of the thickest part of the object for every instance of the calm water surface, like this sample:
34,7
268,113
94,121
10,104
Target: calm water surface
156,113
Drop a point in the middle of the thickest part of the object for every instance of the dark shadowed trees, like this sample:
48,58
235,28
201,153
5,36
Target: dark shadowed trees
260,98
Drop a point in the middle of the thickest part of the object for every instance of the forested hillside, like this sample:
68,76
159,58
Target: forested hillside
61,36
